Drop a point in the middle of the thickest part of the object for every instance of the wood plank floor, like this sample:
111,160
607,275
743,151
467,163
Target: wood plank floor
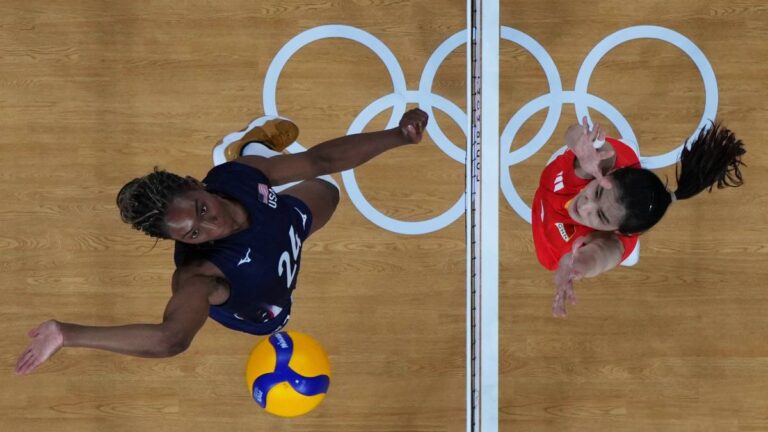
96,93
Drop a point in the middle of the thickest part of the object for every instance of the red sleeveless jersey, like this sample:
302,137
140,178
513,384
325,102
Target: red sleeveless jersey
553,229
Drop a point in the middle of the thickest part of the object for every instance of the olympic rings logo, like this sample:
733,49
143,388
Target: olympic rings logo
427,100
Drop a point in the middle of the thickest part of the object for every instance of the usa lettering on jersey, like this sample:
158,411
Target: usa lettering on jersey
267,195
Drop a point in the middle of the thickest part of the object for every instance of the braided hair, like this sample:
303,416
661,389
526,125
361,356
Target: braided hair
143,201
714,157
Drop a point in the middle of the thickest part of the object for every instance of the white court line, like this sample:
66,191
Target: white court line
483,407
468,219
489,230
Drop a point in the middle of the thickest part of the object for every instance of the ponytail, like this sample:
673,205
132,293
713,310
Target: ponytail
714,157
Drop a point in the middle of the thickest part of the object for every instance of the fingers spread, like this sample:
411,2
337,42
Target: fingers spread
594,132
558,311
22,358
26,363
570,295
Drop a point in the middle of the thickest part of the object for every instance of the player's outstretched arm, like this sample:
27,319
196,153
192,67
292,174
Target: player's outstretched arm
184,315
341,153
592,255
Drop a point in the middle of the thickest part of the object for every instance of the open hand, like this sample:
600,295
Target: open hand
47,339
412,125
581,142
563,287
564,276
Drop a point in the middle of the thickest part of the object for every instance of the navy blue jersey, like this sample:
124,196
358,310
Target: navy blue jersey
261,263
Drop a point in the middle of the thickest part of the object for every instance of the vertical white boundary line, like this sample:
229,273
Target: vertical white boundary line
468,220
489,215
472,212
482,215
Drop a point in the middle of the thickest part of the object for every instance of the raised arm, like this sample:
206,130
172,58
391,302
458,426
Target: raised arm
184,315
341,153
592,255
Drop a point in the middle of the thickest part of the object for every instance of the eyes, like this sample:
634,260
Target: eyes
600,214
603,218
203,210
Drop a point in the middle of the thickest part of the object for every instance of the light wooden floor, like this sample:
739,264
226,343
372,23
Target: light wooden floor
676,343
96,93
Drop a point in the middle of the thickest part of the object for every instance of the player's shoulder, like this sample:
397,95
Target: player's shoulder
234,171
557,167
195,274
198,267
626,151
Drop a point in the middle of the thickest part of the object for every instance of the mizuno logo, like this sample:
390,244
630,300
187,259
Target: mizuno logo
281,342
246,259
303,218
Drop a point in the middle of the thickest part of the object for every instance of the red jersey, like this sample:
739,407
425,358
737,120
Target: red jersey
553,228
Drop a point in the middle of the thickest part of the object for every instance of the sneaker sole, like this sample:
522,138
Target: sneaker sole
276,133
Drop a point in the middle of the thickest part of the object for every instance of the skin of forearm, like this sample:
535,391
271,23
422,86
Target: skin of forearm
596,257
350,151
140,340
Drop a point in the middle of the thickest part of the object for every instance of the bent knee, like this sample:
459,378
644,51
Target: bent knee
330,180
335,195
329,183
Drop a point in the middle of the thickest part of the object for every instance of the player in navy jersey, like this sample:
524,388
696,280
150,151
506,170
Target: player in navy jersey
238,241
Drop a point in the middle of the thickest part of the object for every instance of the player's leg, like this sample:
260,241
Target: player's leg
320,196
272,135
267,137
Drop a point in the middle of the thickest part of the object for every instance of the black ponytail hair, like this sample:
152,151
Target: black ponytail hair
714,157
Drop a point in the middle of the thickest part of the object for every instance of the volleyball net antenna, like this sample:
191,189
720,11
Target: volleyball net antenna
482,215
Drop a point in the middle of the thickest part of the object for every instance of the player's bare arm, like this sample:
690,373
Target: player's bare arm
341,153
184,315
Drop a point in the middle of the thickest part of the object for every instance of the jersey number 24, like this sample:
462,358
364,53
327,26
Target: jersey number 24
287,261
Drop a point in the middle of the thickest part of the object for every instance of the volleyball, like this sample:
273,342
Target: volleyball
288,374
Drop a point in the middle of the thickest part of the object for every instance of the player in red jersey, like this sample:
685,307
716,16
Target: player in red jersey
594,200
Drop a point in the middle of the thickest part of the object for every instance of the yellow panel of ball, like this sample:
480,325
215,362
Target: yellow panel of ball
288,374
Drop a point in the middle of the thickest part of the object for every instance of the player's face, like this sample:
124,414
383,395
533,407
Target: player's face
198,216
597,207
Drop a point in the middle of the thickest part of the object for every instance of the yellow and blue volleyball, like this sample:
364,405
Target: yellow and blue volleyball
288,374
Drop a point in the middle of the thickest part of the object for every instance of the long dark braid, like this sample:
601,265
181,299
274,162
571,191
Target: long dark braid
714,157
143,201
